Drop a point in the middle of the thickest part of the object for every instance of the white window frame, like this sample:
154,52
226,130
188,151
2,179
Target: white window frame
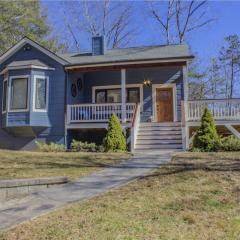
34,92
154,105
140,86
5,80
10,94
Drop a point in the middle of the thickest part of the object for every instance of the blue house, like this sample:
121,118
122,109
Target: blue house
60,97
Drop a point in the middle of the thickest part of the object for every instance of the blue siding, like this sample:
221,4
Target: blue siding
18,119
158,75
53,121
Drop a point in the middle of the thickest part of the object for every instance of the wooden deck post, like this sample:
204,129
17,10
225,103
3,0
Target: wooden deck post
185,127
123,94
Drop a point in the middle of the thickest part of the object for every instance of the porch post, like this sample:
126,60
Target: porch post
123,94
185,127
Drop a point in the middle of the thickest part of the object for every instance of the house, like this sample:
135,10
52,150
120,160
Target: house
60,97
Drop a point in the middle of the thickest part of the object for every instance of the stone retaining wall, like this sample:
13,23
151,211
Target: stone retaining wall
10,189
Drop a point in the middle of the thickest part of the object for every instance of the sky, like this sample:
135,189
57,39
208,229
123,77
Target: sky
205,42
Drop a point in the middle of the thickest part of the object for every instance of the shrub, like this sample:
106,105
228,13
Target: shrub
230,143
51,147
115,139
206,138
78,146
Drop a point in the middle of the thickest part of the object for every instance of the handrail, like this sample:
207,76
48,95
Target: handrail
216,100
221,109
183,113
134,115
134,126
97,112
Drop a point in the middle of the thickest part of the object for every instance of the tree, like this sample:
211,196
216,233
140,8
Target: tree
180,18
197,81
115,139
230,59
206,137
215,81
111,19
24,18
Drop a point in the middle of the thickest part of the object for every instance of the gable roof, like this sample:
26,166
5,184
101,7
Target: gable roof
120,55
26,40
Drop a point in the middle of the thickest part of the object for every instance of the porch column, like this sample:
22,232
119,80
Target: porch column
185,128
123,94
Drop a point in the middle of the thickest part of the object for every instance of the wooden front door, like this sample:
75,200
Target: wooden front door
164,104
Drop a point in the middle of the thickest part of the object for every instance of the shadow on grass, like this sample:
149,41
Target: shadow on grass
198,164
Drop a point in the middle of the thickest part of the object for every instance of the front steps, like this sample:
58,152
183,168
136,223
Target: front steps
159,136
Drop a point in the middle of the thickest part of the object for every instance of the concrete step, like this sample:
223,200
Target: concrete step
167,124
154,141
156,133
159,137
158,128
158,146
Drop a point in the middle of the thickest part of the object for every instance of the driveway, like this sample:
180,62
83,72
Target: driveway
42,202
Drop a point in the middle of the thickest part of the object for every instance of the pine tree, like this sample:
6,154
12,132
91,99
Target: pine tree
115,139
206,138
24,18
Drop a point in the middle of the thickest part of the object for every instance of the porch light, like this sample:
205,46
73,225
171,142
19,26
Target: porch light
147,82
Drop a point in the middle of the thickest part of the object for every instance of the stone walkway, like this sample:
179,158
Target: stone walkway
42,202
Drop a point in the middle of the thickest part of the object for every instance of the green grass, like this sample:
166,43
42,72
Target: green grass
20,164
194,197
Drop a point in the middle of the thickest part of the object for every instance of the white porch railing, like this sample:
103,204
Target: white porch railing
95,112
222,109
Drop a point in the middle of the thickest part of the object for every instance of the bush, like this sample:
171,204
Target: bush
51,147
78,146
206,138
230,143
115,139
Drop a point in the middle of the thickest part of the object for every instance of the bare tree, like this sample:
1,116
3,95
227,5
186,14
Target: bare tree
164,21
181,18
109,18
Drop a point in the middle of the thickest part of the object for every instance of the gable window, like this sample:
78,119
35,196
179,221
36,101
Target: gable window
19,94
40,93
4,100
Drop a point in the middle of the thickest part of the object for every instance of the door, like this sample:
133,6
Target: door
164,104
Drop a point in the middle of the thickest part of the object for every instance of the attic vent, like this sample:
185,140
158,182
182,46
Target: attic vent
98,45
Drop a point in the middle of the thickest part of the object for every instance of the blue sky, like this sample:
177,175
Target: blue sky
206,42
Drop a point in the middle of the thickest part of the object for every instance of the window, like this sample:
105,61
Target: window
40,93
114,95
133,95
4,100
19,93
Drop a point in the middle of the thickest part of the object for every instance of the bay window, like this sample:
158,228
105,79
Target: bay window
40,93
19,94
4,100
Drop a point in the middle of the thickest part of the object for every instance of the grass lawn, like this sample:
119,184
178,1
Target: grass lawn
196,196
20,164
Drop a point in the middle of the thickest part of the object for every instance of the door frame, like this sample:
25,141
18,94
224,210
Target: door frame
154,105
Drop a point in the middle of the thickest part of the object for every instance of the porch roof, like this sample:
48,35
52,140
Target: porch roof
120,55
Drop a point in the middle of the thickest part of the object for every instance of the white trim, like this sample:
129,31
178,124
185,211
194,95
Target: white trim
174,88
140,86
5,80
26,67
24,41
28,93
128,63
123,94
34,92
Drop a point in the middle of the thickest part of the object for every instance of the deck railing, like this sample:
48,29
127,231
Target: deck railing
95,112
222,109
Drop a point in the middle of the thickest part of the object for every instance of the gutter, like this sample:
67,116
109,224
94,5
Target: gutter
128,62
